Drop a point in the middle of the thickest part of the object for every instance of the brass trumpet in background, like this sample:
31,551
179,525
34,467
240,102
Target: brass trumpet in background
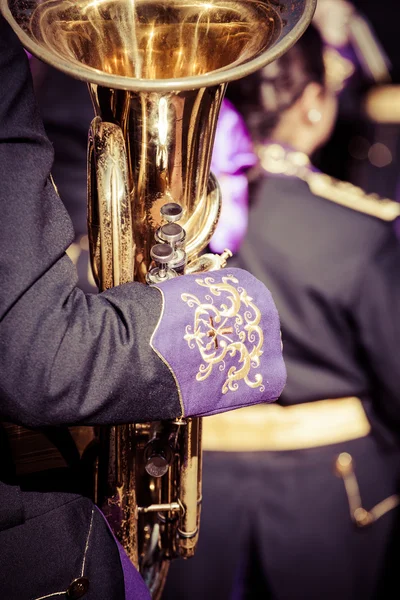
157,73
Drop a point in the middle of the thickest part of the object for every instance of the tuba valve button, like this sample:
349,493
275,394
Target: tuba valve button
158,457
161,254
171,212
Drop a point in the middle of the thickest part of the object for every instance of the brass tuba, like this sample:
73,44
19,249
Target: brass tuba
157,73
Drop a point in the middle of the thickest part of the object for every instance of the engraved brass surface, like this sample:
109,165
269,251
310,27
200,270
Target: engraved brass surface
158,46
161,152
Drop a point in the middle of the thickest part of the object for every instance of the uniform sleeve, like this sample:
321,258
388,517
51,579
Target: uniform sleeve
65,357
378,318
189,347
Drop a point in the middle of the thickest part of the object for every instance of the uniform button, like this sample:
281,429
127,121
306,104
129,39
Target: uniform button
78,588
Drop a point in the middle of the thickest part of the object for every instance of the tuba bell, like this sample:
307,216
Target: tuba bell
157,72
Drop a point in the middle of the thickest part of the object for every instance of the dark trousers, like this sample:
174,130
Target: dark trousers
277,525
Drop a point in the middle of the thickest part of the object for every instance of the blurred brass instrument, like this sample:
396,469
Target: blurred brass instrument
157,73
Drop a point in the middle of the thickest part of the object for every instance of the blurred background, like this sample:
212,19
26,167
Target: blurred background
367,131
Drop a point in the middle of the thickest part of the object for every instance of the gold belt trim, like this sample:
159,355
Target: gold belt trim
274,427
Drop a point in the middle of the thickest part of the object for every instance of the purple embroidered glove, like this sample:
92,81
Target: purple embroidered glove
225,351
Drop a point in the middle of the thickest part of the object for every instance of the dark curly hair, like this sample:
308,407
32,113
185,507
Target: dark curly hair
263,96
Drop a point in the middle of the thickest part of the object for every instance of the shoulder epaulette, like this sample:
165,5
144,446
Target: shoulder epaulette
277,160
348,195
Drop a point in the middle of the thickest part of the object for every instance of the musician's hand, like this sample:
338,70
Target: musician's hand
220,336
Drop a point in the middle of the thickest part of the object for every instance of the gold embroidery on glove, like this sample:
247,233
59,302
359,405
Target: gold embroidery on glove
228,328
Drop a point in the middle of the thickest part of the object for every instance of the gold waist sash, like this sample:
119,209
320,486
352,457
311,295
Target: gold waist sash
250,429
274,427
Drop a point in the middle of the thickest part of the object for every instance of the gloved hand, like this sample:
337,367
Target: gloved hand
219,334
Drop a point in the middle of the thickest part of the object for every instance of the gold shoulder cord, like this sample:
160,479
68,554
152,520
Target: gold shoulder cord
278,160
360,516
348,195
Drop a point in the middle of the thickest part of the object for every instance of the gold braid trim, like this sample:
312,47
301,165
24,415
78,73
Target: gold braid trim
344,468
278,160
351,196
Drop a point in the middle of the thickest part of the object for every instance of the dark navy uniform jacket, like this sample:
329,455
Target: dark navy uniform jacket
333,267
37,274
57,362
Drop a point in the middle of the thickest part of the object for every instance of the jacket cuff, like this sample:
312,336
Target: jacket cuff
219,334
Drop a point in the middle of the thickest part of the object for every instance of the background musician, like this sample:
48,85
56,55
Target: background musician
302,501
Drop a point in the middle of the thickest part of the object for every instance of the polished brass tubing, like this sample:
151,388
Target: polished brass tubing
109,206
173,506
190,488
168,140
158,46
118,484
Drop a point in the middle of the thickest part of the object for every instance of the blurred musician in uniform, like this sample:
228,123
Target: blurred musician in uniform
360,35
301,501
70,359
